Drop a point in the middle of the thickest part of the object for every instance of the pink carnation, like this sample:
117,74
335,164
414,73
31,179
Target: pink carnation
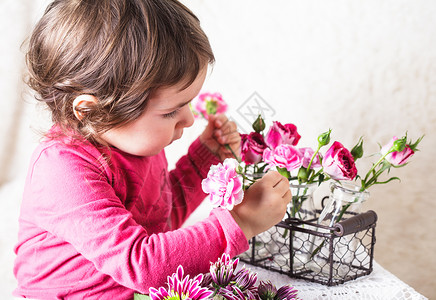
396,158
208,103
283,156
338,163
307,154
224,184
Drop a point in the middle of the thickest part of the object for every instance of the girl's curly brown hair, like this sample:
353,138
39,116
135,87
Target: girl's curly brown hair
116,50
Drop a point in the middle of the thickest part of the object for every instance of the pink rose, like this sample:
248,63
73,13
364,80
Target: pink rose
307,154
206,104
224,184
252,147
338,163
396,158
282,134
283,156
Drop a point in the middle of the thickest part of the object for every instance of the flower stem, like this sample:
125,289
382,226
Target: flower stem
367,182
233,153
313,157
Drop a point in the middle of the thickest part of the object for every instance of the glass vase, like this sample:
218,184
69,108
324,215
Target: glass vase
345,200
273,247
302,205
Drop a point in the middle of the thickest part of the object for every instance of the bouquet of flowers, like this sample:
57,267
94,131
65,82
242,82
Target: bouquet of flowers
223,281
277,149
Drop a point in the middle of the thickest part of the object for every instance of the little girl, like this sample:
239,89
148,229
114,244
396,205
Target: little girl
101,216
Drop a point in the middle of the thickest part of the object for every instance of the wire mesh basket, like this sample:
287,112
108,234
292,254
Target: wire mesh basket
314,252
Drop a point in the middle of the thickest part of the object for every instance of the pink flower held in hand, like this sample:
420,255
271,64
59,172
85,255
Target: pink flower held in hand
283,156
252,147
207,104
396,158
307,154
224,184
338,163
282,134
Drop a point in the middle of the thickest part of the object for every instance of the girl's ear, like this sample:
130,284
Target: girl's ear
82,104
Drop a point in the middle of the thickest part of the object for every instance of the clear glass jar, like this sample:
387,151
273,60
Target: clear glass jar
302,205
345,200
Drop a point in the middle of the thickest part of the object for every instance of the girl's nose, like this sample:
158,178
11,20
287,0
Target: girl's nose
187,117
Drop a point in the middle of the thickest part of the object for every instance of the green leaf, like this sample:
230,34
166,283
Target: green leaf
262,168
390,179
321,178
138,296
317,249
415,145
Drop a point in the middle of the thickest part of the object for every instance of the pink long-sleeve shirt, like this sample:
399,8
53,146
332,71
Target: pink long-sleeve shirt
96,226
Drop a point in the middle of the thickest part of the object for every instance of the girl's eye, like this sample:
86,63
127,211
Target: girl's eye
171,114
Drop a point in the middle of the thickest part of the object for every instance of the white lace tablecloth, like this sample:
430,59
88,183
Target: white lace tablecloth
380,284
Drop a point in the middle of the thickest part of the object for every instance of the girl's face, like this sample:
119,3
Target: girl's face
161,123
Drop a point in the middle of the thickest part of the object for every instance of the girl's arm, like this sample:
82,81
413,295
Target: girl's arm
185,181
71,205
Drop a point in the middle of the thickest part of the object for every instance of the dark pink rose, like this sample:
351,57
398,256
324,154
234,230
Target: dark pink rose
283,156
338,163
396,158
307,154
282,134
252,147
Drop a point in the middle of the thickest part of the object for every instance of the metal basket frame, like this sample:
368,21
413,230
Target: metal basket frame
356,229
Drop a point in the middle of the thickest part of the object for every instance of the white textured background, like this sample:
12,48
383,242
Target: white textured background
359,67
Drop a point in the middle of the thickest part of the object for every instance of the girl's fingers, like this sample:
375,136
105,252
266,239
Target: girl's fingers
220,120
287,196
230,138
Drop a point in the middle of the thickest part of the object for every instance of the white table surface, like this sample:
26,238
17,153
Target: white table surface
380,284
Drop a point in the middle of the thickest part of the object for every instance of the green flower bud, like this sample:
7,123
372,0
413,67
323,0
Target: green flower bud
259,124
303,175
399,144
357,151
324,138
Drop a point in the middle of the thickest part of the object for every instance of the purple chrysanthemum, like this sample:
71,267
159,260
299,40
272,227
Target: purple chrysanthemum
287,292
241,286
181,288
267,291
245,280
222,270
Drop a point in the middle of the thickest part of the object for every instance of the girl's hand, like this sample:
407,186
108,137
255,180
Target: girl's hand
264,204
219,133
